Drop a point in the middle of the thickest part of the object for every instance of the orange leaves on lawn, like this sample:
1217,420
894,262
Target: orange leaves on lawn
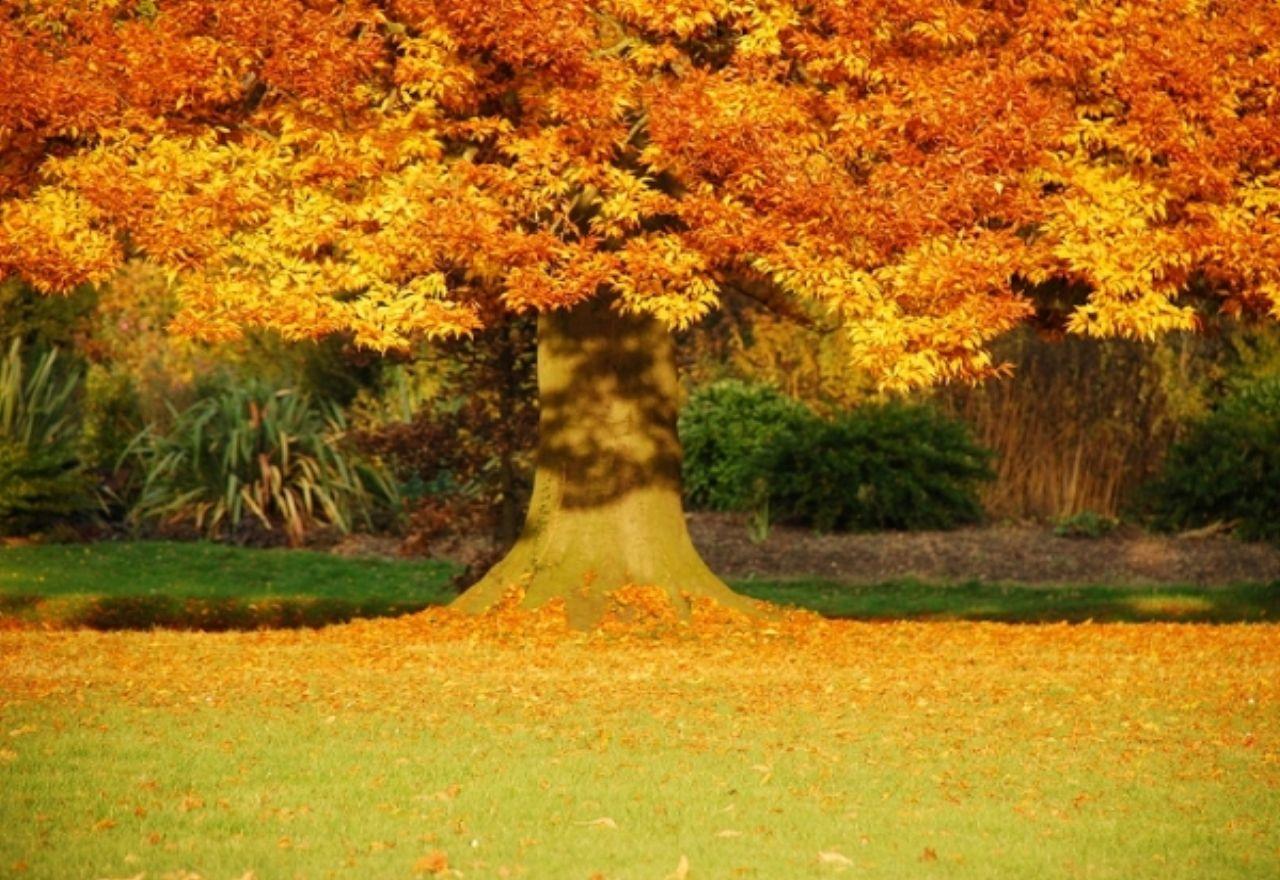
434,863
1090,707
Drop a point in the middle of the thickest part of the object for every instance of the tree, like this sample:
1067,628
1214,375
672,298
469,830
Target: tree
900,170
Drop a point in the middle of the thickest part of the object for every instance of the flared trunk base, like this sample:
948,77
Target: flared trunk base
584,557
606,508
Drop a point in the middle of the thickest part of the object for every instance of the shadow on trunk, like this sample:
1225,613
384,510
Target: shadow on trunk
606,509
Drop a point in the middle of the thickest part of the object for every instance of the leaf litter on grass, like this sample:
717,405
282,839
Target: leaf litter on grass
503,746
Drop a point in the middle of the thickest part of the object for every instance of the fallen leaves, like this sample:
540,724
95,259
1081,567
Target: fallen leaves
797,707
602,822
434,863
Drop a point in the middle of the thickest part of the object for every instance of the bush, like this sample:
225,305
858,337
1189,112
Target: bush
251,455
42,480
457,426
727,430
1227,469
41,321
880,466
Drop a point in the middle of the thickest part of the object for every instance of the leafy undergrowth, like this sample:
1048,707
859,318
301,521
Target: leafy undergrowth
435,745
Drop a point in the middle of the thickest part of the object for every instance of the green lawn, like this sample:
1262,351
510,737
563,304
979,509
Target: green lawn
137,585
205,570
208,586
1017,603
902,751
402,748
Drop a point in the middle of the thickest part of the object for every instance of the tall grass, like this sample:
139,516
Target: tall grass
253,455
41,475
37,400
1080,425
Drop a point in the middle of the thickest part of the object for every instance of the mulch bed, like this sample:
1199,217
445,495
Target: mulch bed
1015,553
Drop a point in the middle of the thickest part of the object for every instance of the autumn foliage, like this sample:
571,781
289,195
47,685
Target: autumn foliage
903,169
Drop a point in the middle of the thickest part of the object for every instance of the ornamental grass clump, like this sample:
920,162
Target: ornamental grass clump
42,479
253,456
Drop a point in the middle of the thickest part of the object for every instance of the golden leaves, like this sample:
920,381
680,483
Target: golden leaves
662,277
903,729
602,822
835,859
435,863
396,170
55,240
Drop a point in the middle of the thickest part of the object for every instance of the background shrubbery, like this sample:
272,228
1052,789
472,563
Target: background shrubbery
111,425
250,454
729,431
879,466
1226,469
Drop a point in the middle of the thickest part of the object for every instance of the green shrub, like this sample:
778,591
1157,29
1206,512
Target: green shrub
41,321
880,466
42,480
727,430
250,455
1226,469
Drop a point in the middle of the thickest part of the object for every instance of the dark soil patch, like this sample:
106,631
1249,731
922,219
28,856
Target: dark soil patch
1017,554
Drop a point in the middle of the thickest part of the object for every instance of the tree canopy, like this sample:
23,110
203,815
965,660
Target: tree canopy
905,169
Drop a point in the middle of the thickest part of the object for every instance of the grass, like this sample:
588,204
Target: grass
859,750
1020,603
214,587
206,570
400,749
197,585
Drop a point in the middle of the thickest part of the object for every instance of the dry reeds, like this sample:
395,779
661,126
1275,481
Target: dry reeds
1079,426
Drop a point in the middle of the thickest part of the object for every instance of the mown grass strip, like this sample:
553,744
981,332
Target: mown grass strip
201,586
210,587
204,570
1022,603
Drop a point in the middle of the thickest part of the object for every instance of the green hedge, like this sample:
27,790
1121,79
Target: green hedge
881,466
1226,469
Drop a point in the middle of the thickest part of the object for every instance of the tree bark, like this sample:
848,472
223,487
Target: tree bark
606,507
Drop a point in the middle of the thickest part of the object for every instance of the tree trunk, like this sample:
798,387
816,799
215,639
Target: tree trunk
606,509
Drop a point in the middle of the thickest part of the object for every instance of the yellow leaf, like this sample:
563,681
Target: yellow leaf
602,822
682,869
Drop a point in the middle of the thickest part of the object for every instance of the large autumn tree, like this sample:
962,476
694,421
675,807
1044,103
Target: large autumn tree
903,170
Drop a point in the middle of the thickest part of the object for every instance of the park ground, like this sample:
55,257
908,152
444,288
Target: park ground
426,745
